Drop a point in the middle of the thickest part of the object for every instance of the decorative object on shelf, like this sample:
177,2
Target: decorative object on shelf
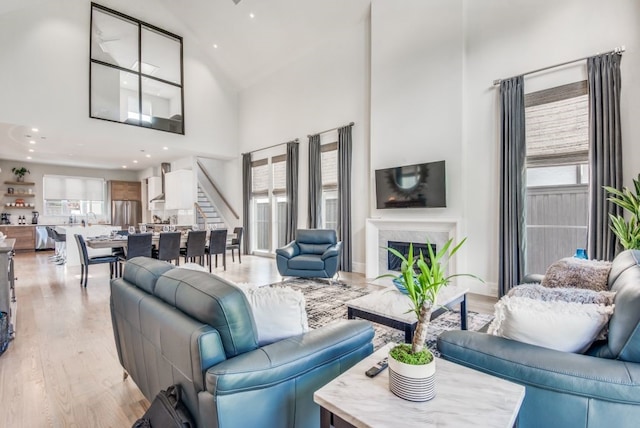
20,173
10,190
628,233
412,366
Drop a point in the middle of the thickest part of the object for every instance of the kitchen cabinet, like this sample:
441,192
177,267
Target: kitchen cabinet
179,190
25,236
125,190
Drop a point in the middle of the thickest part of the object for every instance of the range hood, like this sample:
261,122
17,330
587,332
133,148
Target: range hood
164,168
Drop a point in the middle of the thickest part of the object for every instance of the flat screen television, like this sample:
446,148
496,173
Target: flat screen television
412,186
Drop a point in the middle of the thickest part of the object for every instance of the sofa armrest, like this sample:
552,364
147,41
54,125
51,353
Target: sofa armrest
533,278
562,372
288,251
289,358
332,251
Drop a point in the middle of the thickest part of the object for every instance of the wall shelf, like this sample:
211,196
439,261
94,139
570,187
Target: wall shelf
20,183
19,195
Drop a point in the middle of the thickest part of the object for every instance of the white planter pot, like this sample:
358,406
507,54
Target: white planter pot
411,382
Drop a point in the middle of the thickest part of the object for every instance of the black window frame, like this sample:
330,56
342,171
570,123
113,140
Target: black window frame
139,73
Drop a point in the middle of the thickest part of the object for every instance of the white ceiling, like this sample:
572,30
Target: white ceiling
249,49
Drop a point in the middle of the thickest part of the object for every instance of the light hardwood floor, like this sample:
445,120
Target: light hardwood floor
62,370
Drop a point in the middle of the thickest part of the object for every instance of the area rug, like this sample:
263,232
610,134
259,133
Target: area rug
326,303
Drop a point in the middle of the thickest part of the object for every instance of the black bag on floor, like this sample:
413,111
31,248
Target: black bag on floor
5,337
166,411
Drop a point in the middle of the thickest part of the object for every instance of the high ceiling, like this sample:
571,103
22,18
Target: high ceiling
244,43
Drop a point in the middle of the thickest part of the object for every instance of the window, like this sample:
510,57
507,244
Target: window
557,135
135,73
268,191
70,196
329,168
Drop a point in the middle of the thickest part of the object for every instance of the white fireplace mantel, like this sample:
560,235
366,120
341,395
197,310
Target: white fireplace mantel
379,230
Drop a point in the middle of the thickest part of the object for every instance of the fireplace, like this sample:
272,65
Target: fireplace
395,264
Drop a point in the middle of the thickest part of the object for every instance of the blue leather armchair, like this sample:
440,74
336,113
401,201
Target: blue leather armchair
179,326
314,254
596,389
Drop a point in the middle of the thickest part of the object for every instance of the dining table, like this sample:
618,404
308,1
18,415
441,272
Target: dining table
120,241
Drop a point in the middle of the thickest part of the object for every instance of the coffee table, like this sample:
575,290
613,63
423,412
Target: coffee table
464,398
389,307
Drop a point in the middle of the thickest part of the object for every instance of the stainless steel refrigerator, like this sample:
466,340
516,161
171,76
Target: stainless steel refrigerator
126,213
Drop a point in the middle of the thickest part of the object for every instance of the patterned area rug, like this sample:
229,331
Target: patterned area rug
327,302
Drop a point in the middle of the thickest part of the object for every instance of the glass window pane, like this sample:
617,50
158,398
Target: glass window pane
262,225
160,56
281,207
114,94
161,105
552,176
114,39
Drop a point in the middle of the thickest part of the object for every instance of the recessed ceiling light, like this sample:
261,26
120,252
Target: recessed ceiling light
135,161
251,15
31,150
32,142
165,148
215,46
148,156
28,157
124,166
34,129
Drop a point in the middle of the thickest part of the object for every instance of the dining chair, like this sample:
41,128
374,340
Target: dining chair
196,241
138,245
236,243
119,251
168,247
217,245
85,261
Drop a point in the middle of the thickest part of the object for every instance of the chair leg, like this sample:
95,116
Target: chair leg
81,274
232,258
224,260
239,256
86,275
209,261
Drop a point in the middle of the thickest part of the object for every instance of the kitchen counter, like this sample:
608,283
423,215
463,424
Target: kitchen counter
73,254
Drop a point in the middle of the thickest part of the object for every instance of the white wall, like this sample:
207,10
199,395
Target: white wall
44,72
433,64
37,171
327,87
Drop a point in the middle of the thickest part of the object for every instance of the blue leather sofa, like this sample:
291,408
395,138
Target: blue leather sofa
315,253
598,389
179,326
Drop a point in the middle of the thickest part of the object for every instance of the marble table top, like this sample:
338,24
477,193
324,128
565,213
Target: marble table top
464,398
391,303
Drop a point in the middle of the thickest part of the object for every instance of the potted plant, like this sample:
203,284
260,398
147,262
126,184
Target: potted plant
628,232
412,366
20,173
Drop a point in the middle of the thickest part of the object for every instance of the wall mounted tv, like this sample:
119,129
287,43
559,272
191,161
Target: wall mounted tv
412,186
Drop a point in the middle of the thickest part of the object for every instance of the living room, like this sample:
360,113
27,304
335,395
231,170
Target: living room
414,76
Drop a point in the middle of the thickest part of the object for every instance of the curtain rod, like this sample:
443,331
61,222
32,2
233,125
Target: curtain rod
617,50
332,129
271,147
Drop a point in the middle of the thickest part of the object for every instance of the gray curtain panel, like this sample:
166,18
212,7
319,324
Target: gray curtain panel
246,201
344,195
315,182
605,152
292,191
512,184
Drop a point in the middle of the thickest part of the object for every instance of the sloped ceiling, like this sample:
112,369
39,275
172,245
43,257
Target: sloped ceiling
253,39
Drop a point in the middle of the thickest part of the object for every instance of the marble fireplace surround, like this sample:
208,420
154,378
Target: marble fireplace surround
380,231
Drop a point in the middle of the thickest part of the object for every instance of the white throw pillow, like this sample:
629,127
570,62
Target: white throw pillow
564,326
279,312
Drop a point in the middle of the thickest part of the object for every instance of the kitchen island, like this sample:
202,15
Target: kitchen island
69,230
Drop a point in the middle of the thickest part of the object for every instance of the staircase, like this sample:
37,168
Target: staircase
213,218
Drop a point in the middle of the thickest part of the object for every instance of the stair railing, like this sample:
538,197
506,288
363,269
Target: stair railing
213,184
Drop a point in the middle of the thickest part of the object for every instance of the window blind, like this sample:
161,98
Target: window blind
58,187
